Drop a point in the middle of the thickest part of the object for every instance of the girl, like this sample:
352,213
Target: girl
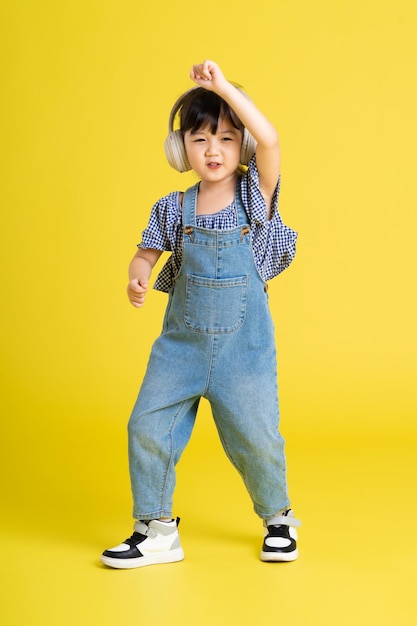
227,239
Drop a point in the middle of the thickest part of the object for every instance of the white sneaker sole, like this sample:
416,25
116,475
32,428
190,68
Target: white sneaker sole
276,557
166,557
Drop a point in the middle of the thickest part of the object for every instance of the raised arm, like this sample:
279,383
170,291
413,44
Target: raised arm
210,76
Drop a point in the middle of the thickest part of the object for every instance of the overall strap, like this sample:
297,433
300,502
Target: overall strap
242,216
189,204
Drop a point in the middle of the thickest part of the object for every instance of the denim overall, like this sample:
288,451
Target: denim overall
217,342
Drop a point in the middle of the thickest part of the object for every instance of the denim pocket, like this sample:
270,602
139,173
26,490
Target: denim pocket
215,305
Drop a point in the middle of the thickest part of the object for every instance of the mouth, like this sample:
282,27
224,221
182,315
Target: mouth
213,165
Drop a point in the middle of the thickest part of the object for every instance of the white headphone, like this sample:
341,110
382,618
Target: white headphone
174,143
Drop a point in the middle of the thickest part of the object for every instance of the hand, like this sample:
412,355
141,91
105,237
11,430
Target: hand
208,75
136,291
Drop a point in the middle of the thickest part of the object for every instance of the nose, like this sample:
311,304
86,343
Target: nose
212,147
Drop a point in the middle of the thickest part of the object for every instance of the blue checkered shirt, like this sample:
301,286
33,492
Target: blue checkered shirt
273,243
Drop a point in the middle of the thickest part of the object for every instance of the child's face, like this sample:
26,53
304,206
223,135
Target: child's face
214,157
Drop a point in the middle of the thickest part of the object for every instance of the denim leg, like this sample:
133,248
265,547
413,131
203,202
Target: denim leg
247,419
157,439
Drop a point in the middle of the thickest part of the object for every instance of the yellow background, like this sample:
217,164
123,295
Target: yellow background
87,89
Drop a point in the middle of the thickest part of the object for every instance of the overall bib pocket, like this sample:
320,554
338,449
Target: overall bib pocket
215,305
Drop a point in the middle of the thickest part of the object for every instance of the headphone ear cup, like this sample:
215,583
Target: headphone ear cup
248,147
175,151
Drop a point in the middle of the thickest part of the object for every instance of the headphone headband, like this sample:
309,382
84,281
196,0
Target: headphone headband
177,107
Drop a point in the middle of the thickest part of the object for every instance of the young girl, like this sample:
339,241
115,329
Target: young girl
227,240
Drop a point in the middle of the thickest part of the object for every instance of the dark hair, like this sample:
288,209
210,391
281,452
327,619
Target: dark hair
202,109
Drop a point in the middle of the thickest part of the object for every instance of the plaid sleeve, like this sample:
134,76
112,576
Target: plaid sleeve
274,243
160,233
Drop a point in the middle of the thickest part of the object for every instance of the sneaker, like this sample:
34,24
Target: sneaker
152,542
280,541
